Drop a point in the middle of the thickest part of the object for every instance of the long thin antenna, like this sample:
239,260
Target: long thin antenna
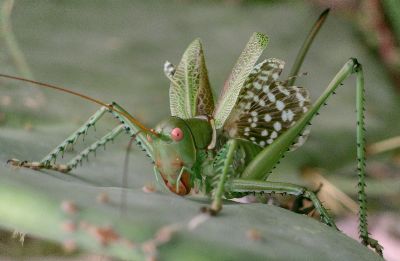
306,45
50,86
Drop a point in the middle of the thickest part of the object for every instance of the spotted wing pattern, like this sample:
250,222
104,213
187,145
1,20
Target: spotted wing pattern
266,107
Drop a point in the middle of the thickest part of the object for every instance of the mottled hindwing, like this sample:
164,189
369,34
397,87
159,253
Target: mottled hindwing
233,85
190,93
266,107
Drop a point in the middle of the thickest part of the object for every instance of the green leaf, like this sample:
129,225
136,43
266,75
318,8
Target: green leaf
33,202
249,56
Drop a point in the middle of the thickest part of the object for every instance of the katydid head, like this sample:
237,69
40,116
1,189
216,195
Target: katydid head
174,153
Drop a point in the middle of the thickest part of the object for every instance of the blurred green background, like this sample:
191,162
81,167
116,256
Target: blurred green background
115,50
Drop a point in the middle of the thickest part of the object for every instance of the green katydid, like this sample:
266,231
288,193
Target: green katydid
229,150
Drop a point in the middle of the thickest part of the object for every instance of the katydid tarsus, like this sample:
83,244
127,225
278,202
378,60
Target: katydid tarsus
227,150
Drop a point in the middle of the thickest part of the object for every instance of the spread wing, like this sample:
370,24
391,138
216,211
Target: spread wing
233,85
190,92
266,107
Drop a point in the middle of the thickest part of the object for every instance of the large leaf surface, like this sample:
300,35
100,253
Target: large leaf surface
31,202
120,58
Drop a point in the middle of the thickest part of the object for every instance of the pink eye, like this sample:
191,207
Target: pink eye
177,134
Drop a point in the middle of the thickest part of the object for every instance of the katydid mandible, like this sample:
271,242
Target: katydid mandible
229,149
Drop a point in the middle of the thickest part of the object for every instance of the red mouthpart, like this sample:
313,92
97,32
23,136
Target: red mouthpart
184,185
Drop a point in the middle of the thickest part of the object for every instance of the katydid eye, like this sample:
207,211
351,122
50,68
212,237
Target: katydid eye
177,134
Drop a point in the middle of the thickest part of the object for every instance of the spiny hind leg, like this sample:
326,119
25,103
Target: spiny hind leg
354,67
255,186
298,204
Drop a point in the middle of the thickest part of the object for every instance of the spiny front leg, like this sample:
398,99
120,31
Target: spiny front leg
73,163
222,168
72,139
38,165
126,125
48,162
